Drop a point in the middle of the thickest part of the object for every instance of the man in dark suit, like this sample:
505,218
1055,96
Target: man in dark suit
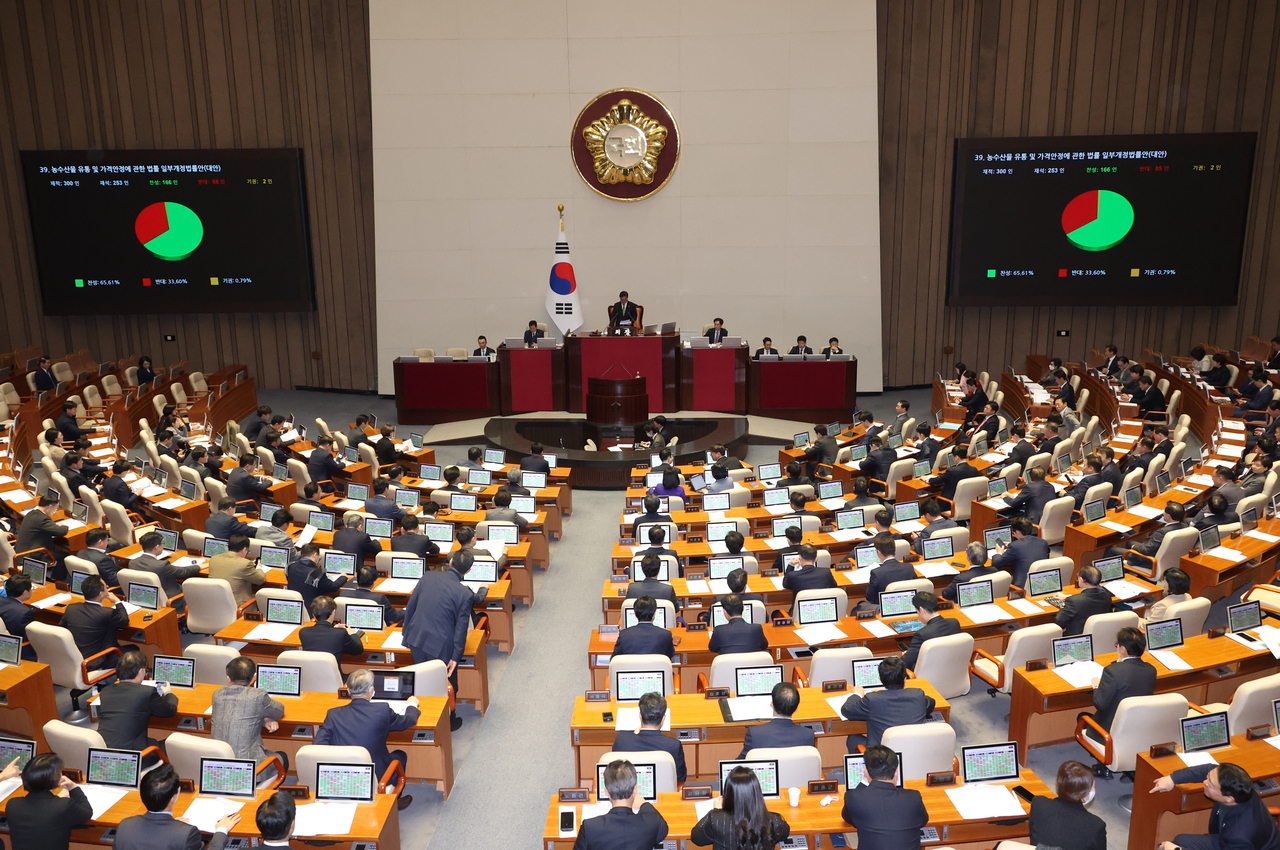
1052,437
475,459
502,511
93,623
325,635
1022,448
223,523
781,731
1079,607
127,706
953,476
409,540
986,425
39,531
1142,456
1109,366
794,477
386,449
974,399
926,444
801,346
1031,499
1239,819
269,439
737,635
1127,676
631,823
1092,475
1149,399
976,553
168,445
365,723
935,522
649,737
862,497
534,461
321,465
889,571
153,560
356,433
1218,512
1174,517
808,575
72,466
1111,473
716,334
896,705
935,625
867,420
305,575
482,348
1251,409
243,485
260,419
623,314
1016,557
1164,446
533,334
310,496
823,450
644,638
45,379
16,613
380,504
437,616
886,817
833,347
353,540
766,349
879,460
900,416
795,536
70,427
798,501
650,566
1066,392
158,829
652,513
115,488
366,577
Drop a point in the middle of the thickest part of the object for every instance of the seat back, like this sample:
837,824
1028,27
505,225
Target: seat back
835,664
1251,703
966,491
190,474
211,662
198,382
243,444
1097,491
322,427
1153,469
944,663
916,584
185,751
312,755
1192,613
1026,644
298,472
368,455
126,577
216,489
72,743
1174,463
635,663
1011,474
796,765
841,597
456,353
1105,627
1054,519
1132,478
65,496
265,593
426,355
1141,722
724,668
320,671
10,394
118,524
482,528
1174,545
664,604
739,496
81,565
178,393
1081,401
55,646
924,748
170,466
898,470
429,679
211,606
1064,565
664,767
1257,502
1000,581
1037,461
672,562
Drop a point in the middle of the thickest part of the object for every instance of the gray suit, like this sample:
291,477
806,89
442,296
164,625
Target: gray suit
277,537
895,427
506,515
238,712
161,831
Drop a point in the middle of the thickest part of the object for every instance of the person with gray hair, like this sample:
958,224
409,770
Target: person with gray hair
241,710
624,826
351,538
976,553
513,482
364,723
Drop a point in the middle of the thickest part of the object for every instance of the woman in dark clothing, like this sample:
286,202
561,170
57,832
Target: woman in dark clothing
53,806
1064,822
740,820
145,375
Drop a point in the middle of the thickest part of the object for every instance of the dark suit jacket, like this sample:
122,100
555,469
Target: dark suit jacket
437,616
384,507
76,480
94,628
45,380
117,491
823,450
45,821
953,476
390,614
1120,679
1048,444
1061,823
1244,825
1208,520
808,578
647,517
222,526
535,463
1152,544
417,544
936,627
1111,474
1080,607
716,336
644,740
243,487
364,723
1082,486
795,349
252,426
652,587
928,450
326,637
299,577
353,541
1031,500
888,572
170,576
1021,452
387,453
622,311
886,817
16,615
778,732
622,829
1018,557
885,709
1067,393
973,404
1152,402
70,428
971,574
38,531
765,352
940,524
738,635
1139,461
876,464
125,710
321,466
531,337
162,831
644,639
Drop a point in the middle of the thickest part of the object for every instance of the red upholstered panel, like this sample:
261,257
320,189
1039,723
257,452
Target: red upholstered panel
531,379
446,386
623,357
713,378
809,384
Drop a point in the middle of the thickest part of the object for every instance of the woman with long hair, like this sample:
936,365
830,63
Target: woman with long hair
670,485
740,820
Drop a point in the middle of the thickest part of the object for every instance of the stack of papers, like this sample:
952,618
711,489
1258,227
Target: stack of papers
844,535
324,819
397,585
278,632
1116,526
205,812
993,457
1263,536
50,601
103,797
779,510
1226,554
719,547
1193,759
862,575
1124,589
1230,450
701,587
304,536
986,613
394,640
820,633
837,702
878,628
350,505
629,719
1026,606
748,708
1146,511
176,502
1169,659
151,491
911,526
1080,674
496,548
984,802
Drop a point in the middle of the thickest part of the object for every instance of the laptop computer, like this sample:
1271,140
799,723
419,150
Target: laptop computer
897,604
508,534
174,670
1210,538
906,511
992,536
35,569
1248,520
77,579
1245,616
757,681
800,440
997,487
288,611
169,539
1044,582
1165,634
280,681
406,567
351,783
782,523
776,496
830,489
320,520
769,471
351,455
857,453
367,617
188,490
479,477
866,556
974,593
1095,510
1163,479
393,685
438,532
524,504
1068,650
358,492
766,771
228,777
821,610
630,685
1133,497
495,456
989,762
119,768
429,471
484,570
339,563
10,650
1205,732
651,479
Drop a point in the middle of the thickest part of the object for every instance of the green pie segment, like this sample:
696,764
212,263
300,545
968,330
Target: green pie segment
169,230
1097,220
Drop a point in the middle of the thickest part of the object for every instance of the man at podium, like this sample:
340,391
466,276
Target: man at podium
624,313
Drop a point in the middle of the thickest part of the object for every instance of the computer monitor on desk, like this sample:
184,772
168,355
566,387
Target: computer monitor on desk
645,784
757,681
715,502
1111,569
1165,634
279,680
228,777
629,618
1044,583
897,603
938,548
990,762
820,610
630,685
974,593
119,768
1205,732
1068,650
766,771
341,782
719,568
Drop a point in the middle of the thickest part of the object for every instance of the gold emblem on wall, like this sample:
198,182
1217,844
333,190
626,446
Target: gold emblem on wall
625,144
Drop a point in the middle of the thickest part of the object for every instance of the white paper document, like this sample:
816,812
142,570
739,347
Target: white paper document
50,601
878,628
1193,759
323,819
1080,674
103,797
1146,511
719,586
1026,606
933,569
862,575
699,587
986,613
701,807
397,585
833,504
719,547
1115,526
394,640
1124,589
750,708
278,632
152,491
1202,480
205,812
984,802
820,633
910,526
629,719
18,495
837,702
844,535
307,533
174,503
1229,450
1169,659
779,510
1226,554
1263,536
9,786
776,543
350,505
996,504
777,582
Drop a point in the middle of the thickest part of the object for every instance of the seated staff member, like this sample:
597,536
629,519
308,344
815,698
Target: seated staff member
533,334
631,823
808,576
152,560
327,635
277,534
482,347
949,480
737,635
653,711
534,461
1217,511
44,818
259,419
1127,676
823,450
321,465
652,513
307,576
795,536
39,531
1177,587
241,711
1092,475
1063,821
896,705
976,554
833,347
98,543
740,810
94,622
861,495
366,577
1016,557
73,469
356,435
1022,448
126,707
223,522
644,638
867,420
502,512
766,349
926,444
801,346
935,625
1174,520
650,566
624,314
386,449
234,567
353,539
1239,819
935,523
900,408
889,570
15,611
781,730
716,334
886,817
1079,607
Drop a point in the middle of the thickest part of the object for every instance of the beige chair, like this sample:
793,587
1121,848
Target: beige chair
216,490
184,752
1037,461
429,679
807,489
835,664
426,355
667,619
72,742
1250,704
642,531
1192,613
312,755
242,443
796,765
1055,518
671,561
739,497
724,668
199,384
80,565
1139,723
966,492
1096,492
1256,502
65,496
1105,627
10,394
211,606
1174,545
211,662
55,647
924,748
1153,469
189,474
641,663
298,472
265,593
664,767
915,584
898,470
1024,644
457,353
322,428
944,663
842,600
320,673
941,459
193,540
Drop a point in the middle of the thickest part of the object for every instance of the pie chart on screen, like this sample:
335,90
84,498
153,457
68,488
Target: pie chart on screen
1097,220
169,230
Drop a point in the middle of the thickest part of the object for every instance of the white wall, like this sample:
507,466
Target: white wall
771,220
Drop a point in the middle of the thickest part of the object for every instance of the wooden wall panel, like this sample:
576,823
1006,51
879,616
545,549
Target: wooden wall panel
990,68
201,74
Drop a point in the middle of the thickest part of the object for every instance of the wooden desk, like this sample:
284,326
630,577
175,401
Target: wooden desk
714,379
1214,578
159,635
655,357
532,379
1044,706
445,391
27,701
810,818
707,737
1185,809
814,390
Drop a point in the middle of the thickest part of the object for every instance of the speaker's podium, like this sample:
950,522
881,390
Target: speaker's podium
617,401
653,358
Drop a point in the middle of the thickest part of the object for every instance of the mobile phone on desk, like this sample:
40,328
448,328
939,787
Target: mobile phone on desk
1021,791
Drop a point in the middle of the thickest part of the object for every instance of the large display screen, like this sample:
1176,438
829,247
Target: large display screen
169,231
1084,220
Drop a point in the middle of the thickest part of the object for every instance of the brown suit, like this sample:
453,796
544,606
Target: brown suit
239,572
